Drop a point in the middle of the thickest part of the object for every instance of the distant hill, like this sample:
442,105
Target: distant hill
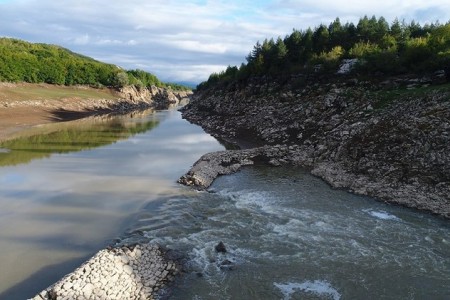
21,61
188,84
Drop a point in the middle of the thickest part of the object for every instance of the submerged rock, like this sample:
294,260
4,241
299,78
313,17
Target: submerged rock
220,247
227,265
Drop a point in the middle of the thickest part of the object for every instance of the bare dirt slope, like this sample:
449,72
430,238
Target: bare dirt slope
24,105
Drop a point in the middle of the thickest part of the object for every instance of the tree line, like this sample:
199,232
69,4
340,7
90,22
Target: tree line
378,46
21,61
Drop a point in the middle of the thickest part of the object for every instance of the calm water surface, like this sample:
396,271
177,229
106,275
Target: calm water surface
69,189
288,235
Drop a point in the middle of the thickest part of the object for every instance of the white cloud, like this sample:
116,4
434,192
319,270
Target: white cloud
186,40
81,40
352,10
108,42
198,46
195,71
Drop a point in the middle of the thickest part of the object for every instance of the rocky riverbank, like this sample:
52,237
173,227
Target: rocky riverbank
386,138
158,98
134,272
86,99
23,105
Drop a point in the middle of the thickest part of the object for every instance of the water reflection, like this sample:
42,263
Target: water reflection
60,210
71,137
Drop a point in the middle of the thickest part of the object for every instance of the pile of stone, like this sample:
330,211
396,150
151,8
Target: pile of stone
132,272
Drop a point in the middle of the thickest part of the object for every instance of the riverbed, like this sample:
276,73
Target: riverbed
68,190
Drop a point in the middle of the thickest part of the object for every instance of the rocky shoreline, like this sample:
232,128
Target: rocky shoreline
389,139
158,98
124,100
212,165
129,272
46,103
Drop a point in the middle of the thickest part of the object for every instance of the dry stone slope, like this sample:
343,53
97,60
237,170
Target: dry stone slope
135,272
384,138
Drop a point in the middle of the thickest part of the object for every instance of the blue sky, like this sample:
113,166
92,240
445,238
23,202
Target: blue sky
187,40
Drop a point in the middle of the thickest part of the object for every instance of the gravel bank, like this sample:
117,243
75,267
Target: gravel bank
134,272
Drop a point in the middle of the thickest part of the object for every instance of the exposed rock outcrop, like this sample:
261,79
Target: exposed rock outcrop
214,164
159,98
380,138
124,100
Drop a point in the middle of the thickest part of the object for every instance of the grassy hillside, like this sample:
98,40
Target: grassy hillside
21,61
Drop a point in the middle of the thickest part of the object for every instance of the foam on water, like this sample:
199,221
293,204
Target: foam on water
382,215
271,233
290,229
251,200
318,287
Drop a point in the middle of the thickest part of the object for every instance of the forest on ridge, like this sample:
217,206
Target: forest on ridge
377,47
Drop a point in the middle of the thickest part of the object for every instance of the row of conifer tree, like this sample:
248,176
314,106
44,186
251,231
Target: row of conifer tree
379,47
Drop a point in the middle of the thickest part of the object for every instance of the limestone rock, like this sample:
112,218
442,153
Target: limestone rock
394,148
212,165
109,275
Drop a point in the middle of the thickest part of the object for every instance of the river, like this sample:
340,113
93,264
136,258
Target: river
69,189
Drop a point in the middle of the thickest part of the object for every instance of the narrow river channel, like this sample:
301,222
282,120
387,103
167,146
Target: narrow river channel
69,189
